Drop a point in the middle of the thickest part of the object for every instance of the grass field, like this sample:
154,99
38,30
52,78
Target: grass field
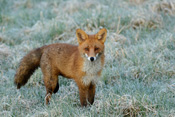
139,74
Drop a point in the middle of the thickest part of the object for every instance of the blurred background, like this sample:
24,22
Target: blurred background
139,75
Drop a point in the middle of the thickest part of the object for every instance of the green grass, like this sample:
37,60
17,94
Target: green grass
139,75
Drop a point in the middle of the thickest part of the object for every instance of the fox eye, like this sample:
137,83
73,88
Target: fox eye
87,49
96,49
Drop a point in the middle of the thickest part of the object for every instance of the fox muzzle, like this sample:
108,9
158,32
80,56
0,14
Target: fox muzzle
91,58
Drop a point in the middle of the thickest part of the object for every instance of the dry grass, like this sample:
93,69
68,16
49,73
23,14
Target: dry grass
4,51
165,6
137,1
147,19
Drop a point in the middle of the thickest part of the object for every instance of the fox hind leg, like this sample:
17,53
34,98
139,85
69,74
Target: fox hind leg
50,77
56,88
52,86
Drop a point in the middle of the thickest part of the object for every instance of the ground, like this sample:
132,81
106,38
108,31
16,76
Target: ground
138,78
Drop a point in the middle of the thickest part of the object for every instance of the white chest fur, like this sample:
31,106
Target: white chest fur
91,69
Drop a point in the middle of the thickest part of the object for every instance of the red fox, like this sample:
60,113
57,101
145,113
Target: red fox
83,63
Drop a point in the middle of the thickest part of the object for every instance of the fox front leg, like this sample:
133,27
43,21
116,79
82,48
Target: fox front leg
91,93
87,94
83,96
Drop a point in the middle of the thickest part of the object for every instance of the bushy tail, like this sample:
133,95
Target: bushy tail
27,66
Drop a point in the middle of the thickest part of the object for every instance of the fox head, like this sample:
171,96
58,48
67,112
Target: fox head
91,47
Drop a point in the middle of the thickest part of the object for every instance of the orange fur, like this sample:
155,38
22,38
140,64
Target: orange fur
82,63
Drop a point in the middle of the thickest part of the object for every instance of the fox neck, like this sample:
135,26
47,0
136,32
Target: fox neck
91,70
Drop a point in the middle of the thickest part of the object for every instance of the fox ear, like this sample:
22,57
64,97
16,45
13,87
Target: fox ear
101,35
81,35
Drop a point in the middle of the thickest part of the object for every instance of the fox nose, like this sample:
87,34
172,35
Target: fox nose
92,58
